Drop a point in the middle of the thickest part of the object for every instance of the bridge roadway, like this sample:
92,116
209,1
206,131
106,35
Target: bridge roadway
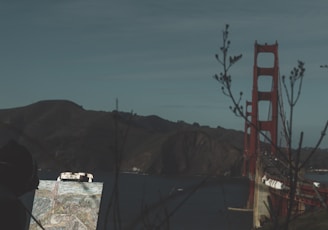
272,179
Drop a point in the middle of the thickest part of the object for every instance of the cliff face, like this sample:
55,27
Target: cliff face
63,136
198,151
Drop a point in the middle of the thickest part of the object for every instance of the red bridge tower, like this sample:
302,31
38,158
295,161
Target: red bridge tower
253,125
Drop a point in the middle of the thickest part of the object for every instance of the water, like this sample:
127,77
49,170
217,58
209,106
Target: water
322,178
205,209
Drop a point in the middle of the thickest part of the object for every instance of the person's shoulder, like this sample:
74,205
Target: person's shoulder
6,195
12,214
12,211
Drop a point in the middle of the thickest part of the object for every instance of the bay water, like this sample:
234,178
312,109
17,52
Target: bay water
190,202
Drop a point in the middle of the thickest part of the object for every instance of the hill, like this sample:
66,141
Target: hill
64,136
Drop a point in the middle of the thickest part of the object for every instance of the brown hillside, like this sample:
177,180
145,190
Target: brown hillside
64,136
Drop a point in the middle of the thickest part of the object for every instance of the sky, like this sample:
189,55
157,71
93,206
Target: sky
158,57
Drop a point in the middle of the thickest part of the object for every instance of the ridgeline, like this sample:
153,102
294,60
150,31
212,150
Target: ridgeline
62,136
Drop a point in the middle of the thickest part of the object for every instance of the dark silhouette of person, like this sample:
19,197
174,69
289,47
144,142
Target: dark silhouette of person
18,175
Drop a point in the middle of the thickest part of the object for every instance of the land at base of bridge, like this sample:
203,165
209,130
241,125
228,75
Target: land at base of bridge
311,220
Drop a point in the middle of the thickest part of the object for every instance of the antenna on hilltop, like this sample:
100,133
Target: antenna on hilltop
116,104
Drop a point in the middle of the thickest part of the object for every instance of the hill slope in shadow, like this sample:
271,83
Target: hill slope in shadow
64,136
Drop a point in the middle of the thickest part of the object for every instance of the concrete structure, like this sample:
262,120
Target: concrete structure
261,194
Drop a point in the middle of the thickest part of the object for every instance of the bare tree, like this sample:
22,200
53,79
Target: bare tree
293,93
292,89
114,202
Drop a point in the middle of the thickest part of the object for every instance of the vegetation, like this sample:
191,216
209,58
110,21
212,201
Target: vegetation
313,220
292,86
165,141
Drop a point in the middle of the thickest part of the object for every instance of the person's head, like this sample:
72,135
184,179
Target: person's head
18,169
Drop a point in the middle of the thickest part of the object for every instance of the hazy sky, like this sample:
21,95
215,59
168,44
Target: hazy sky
157,57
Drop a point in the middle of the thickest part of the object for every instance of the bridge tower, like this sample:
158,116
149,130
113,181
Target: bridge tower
255,124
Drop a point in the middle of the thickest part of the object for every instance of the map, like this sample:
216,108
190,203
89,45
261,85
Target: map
66,205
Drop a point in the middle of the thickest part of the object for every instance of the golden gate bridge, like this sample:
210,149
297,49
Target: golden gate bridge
267,170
